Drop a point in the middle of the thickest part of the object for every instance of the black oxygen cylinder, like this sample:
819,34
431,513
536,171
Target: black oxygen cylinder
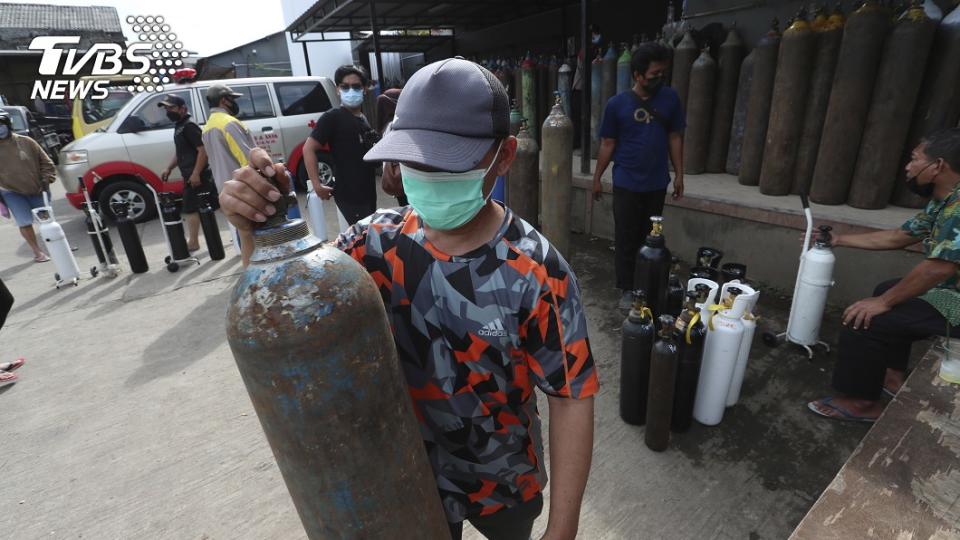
690,336
675,289
758,108
797,49
129,238
938,106
894,96
683,58
732,271
174,227
728,71
663,376
703,80
635,347
709,256
853,83
652,270
91,214
829,36
211,230
705,272
739,122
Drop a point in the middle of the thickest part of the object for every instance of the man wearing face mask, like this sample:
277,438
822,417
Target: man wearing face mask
349,136
191,158
482,307
640,128
228,143
25,173
878,331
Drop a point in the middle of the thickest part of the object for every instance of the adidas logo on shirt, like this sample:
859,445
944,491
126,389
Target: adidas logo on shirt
493,329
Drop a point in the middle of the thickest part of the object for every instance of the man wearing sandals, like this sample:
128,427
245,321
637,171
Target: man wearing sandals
878,331
25,173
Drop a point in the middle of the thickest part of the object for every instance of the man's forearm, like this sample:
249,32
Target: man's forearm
571,450
604,156
921,279
676,153
877,241
201,161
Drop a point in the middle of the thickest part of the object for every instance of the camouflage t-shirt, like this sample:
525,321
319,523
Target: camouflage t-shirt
475,334
939,225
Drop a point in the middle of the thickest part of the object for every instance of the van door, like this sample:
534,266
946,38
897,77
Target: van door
259,115
151,144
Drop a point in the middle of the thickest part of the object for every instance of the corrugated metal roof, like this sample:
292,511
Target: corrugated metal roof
47,17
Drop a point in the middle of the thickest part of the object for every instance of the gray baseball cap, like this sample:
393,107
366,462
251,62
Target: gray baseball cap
219,91
448,116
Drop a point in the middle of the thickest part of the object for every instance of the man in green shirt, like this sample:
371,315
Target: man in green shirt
878,331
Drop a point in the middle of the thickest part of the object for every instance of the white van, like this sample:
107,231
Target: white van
114,162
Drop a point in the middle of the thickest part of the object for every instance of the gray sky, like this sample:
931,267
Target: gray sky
246,20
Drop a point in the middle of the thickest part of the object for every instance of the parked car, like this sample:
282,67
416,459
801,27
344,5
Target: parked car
25,123
116,162
90,114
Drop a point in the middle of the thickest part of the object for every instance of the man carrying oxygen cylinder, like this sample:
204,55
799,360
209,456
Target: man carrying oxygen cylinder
878,331
482,307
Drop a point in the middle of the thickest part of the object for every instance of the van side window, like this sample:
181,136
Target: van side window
154,117
306,97
254,103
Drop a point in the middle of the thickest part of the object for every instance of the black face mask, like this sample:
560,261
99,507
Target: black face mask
173,116
925,190
652,85
233,108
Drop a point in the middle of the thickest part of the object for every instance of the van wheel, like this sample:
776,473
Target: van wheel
324,167
142,206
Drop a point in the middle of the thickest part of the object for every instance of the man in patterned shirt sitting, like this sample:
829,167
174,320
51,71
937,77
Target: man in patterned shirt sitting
483,308
878,331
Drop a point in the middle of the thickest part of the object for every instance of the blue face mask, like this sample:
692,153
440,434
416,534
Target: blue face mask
446,200
351,98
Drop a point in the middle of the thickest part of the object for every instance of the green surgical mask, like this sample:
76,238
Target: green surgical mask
446,200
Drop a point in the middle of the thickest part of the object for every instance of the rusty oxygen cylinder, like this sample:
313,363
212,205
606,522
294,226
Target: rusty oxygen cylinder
684,56
557,180
938,106
728,71
853,82
828,34
797,48
529,110
898,83
663,376
523,180
336,411
690,335
635,346
518,85
652,270
739,121
758,108
703,79
596,106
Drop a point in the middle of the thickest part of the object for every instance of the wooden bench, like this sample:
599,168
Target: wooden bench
903,480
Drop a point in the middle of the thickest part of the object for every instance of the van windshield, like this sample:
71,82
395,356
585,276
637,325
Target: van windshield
95,110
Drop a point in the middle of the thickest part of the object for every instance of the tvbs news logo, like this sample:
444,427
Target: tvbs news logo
142,66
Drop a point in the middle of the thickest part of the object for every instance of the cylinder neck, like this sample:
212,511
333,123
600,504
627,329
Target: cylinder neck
289,238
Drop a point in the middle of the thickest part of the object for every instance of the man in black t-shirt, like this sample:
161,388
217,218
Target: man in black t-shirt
191,159
349,136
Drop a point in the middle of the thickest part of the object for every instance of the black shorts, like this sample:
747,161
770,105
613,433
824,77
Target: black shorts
191,196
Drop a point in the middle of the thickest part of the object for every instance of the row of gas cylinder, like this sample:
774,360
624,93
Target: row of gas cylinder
691,363
832,106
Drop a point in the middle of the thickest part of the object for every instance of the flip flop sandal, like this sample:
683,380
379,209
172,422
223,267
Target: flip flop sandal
844,414
7,378
41,259
11,366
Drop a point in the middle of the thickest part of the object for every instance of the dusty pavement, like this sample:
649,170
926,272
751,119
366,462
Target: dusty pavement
131,421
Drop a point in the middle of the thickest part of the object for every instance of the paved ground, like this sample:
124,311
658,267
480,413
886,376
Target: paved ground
131,420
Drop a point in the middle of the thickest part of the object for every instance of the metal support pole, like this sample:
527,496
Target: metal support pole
585,111
376,43
306,57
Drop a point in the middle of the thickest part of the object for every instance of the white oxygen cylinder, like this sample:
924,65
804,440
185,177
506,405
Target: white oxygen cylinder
704,307
810,296
56,243
720,353
750,297
315,215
